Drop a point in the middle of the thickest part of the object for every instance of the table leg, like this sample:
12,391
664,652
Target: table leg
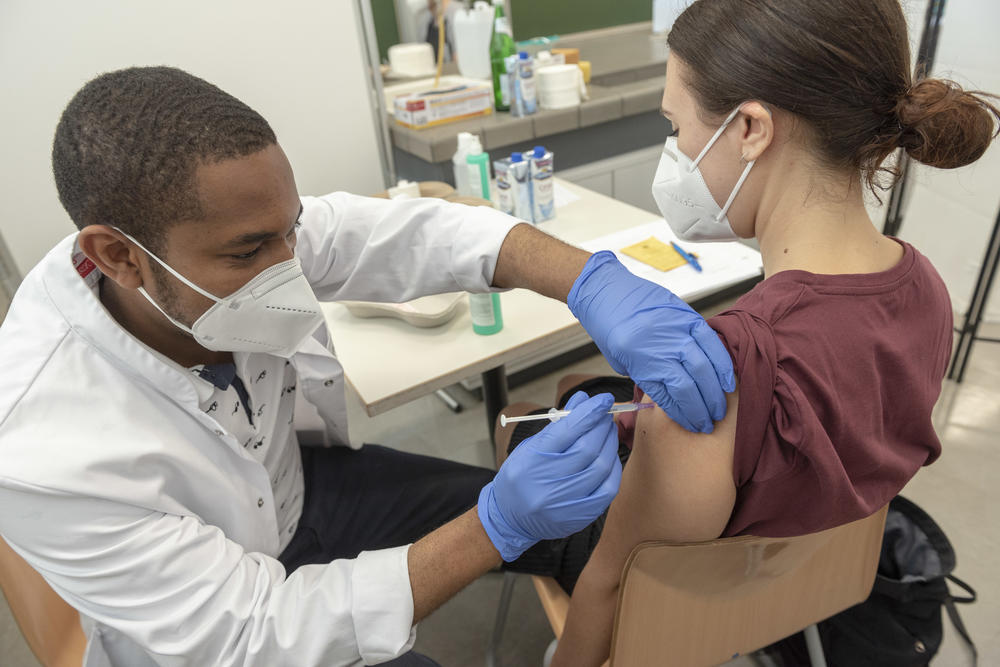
494,395
448,400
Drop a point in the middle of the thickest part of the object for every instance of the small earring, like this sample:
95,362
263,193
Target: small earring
743,158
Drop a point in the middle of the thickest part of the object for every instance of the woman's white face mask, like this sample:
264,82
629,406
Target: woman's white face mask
683,196
273,313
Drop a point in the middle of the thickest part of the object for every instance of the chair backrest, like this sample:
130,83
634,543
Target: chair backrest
703,604
50,626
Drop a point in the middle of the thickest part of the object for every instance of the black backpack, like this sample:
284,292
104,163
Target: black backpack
899,625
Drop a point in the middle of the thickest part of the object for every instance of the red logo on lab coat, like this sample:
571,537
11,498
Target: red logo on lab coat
85,266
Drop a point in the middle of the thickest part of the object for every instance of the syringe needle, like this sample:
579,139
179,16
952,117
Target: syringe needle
618,408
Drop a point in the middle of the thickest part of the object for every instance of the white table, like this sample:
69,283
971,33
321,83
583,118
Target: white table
389,363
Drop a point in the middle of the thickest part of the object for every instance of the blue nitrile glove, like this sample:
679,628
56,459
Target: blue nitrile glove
650,335
556,482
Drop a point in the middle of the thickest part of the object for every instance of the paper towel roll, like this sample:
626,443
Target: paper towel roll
413,59
560,86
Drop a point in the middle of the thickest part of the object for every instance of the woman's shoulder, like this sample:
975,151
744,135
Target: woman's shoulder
800,308
820,361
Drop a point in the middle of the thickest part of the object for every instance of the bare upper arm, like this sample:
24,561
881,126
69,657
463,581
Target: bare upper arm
677,486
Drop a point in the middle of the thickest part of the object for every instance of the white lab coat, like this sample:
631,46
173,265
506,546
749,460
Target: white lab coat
152,520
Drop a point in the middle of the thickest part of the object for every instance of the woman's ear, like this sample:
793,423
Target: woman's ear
113,254
757,126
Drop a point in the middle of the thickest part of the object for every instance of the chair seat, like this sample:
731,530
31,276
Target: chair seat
703,604
555,602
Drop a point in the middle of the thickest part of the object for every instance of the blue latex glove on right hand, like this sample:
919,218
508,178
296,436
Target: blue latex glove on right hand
649,334
554,483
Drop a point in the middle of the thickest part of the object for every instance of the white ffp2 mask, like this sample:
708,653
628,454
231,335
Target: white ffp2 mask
683,196
273,313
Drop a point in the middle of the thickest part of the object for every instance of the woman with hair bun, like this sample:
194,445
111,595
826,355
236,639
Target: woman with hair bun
784,114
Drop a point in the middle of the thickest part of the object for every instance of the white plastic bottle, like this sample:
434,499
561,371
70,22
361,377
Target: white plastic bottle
661,16
487,317
468,144
473,29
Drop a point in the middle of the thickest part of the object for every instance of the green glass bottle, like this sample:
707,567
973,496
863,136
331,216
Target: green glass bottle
501,47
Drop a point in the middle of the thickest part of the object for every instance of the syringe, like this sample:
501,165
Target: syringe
555,415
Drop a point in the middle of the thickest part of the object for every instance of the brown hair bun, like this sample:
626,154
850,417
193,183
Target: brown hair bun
943,125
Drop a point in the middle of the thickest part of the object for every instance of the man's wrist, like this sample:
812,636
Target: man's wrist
596,263
508,543
482,536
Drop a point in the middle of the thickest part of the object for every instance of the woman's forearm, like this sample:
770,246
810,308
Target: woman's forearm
586,639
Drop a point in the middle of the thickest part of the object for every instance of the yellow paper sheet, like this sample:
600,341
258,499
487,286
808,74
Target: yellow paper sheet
656,253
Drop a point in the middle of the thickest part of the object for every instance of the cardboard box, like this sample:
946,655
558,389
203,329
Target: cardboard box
437,107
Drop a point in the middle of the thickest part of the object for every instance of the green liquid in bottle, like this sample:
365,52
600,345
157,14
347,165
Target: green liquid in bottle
501,46
487,318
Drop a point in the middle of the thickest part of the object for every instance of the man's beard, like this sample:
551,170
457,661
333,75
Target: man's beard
166,297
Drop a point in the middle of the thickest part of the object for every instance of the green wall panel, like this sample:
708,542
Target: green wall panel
386,30
535,18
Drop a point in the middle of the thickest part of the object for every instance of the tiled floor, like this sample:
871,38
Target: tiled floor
959,491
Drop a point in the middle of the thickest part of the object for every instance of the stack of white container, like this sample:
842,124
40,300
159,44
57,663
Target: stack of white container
560,84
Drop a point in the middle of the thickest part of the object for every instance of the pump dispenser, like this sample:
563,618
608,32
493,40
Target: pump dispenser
468,144
487,317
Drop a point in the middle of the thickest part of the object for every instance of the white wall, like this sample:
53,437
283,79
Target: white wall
950,213
298,63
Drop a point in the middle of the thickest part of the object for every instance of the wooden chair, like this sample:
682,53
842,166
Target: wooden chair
50,626
704,604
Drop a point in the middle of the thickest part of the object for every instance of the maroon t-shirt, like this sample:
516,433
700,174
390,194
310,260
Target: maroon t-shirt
838,376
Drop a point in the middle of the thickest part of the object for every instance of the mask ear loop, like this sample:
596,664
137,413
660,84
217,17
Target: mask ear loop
736,191
743,176
171,270
177,323
715,137
746,172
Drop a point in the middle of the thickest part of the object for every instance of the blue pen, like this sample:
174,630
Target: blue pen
688,257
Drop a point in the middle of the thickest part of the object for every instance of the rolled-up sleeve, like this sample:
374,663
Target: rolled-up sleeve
188,596
750,343
370,249
382,604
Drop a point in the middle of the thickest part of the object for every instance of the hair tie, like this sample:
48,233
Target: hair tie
909,138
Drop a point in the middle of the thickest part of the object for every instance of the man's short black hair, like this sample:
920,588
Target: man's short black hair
129,142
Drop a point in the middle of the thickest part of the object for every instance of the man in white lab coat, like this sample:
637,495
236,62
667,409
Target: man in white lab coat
149,465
